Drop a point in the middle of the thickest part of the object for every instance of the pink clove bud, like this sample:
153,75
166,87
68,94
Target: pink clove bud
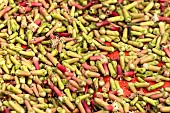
95,58
113,28
73,89
86,107
5,10
68,78
37,40
103,23
63,34
61,68
113,13
92,103
86,88
109,107
35,4
120,1
57,91
162,18
69,74
36,63
129,73
83,71
105,66
28,9
90,3
52,36
24,4
50,84
86,66
38,22
7,110
162,7
119,70
113,92
167,51
77,5
45,82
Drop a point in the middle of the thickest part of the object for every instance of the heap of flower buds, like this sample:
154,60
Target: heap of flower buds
84,56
